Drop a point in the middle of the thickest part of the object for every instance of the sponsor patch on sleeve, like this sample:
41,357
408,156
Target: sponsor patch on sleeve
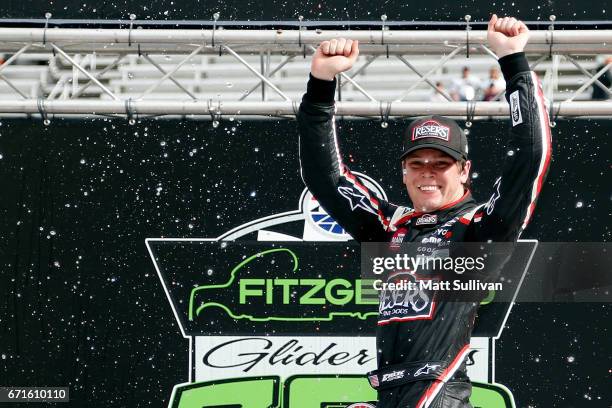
515,108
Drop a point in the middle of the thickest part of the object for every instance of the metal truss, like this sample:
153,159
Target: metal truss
85,65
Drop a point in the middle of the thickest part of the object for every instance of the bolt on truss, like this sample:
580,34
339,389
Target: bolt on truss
131,72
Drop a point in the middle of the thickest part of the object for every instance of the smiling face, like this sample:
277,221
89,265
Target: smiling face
433,178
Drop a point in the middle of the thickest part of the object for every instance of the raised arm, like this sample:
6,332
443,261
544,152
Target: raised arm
355,207
514,196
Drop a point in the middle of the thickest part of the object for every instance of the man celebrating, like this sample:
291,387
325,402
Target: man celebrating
435,172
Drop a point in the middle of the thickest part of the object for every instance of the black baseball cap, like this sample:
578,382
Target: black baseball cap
435,132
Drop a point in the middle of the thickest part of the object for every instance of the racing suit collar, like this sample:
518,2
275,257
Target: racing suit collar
441,214
467,195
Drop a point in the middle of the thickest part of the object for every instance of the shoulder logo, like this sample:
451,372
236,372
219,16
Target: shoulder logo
320,225
356,199
515,108
431,128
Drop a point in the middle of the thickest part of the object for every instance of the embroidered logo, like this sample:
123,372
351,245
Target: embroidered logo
356,199
392,376
425,369
427,219
398,238
431,128
515,108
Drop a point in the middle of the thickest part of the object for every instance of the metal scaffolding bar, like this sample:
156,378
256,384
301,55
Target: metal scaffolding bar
488,51
14,56
357,86
589,82
98,76
169,74
81,46
263,73
160,69
371,109
59,85
588,74
361,69
84,71
416,71
13,87
428,73
270,75
532,66
229,36
109,41
283,49
254,71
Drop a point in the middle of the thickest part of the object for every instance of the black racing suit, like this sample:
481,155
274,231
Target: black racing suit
405,335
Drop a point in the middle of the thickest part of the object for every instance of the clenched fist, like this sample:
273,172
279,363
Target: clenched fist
507,35
334,56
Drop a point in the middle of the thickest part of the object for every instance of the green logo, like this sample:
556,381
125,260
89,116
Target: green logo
306,391
253,298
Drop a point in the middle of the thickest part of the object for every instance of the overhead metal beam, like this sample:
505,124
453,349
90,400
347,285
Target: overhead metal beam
284,49
396,41
372,109
74,43
228,36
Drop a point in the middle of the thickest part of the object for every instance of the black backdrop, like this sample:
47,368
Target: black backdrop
82,306
434,10
79,198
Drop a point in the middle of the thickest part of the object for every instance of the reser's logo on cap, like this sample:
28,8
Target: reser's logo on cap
431,128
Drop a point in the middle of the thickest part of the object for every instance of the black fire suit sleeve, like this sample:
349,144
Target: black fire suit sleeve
361,213
525,166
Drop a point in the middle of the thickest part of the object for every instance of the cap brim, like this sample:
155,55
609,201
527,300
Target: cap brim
452,153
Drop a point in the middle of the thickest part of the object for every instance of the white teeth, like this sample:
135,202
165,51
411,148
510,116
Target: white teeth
428,188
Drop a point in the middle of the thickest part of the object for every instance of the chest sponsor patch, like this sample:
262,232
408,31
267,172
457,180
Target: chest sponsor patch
398,238
431,128
515,108
406,301
427,219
